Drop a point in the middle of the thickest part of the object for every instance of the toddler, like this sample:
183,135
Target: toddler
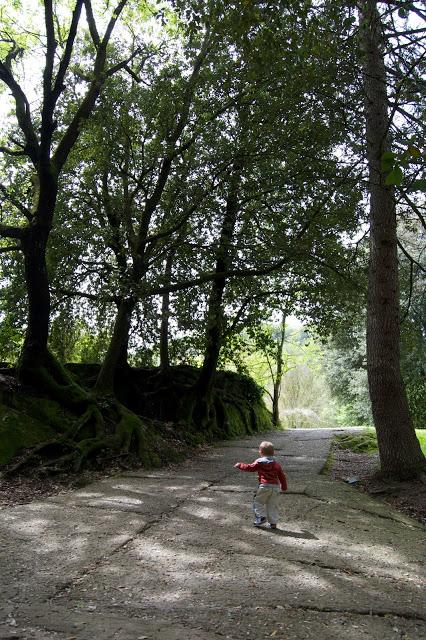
271,479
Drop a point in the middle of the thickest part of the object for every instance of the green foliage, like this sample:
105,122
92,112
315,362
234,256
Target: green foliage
416,393
244,385
305,398
346,373
148,181
392,164
11,340
64,335
395,177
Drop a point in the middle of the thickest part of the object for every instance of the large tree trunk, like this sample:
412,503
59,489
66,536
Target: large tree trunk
34,246
117,349
165,315
34,349
215,315
400,452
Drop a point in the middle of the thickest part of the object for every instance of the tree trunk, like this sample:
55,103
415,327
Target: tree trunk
279,375
400,452
165,315
117,349
34,246
275,404
215,317
34,350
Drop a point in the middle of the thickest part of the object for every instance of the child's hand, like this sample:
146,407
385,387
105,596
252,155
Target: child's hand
237,466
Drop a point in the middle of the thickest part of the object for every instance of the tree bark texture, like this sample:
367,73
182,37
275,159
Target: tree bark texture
117,348
400,452
34,245
34,350
165,315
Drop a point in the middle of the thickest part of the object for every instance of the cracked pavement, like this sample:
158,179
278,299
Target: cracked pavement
173,554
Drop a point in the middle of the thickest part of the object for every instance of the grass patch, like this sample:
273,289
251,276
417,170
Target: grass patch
421,435
366,441
328,466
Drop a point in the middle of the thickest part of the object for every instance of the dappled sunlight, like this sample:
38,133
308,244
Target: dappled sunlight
329,545
53,542
169,571
123,500
150,489
89,494
152,556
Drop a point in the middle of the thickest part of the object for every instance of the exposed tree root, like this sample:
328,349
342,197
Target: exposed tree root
91,438
51,378
98,427
102,426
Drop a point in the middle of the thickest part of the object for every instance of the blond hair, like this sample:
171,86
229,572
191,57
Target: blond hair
267,448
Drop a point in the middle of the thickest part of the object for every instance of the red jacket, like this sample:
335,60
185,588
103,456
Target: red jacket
268,470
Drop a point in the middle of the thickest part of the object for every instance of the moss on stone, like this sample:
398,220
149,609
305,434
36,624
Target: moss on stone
262,417
234,424
45,410
147,422
20,431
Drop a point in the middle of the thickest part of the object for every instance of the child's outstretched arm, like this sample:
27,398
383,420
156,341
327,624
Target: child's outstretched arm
242,466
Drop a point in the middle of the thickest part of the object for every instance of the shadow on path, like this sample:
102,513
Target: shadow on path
172,554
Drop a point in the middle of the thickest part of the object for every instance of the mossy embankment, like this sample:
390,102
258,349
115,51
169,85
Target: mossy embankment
149,428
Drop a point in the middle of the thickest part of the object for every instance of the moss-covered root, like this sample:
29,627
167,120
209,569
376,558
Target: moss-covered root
52,378
91,423
116,432
138,438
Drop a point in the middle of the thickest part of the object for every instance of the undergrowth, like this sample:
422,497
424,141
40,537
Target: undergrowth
366,441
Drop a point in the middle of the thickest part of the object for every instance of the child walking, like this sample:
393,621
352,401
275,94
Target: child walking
271,479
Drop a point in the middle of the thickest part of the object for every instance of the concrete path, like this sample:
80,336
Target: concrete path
173,555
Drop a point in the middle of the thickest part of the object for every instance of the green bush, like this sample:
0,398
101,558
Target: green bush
416,394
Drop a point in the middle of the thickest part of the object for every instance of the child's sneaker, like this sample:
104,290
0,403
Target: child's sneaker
259,521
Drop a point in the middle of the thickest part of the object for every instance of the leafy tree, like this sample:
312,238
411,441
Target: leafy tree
41,148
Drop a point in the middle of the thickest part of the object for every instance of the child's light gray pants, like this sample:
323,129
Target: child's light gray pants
266,503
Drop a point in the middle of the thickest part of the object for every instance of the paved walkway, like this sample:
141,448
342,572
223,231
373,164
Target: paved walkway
173,555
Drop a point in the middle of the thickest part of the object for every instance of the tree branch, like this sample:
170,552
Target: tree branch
23,111
50,53
88,103
124,65
70,293
92,23
13,247
12,152
414,208
23,209
410,257
64,64
11,232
